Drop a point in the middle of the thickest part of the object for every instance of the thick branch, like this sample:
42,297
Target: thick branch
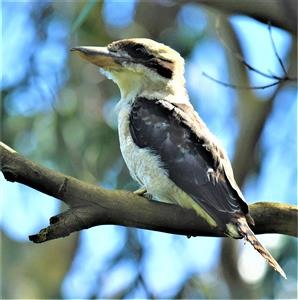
281,13
91,205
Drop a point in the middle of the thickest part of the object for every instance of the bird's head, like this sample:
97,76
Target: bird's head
138,66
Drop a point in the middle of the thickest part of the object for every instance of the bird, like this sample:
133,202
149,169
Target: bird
166,146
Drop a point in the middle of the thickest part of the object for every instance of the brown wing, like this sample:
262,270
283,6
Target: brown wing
189,164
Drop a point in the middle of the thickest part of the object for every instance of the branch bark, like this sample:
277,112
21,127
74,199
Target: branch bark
281,13
91,205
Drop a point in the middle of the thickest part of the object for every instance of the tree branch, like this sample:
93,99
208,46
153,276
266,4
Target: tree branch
91,205
281,13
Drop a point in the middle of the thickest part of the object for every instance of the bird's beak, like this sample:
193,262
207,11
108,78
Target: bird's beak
99,56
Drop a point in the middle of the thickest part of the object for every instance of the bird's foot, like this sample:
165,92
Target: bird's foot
141,191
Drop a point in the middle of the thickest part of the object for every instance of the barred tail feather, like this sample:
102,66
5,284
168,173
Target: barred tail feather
248,234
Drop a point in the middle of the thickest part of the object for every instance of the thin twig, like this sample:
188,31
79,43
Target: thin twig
253,69
275,50
241,58
234,86
270,75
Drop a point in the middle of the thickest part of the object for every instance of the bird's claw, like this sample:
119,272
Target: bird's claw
143,193
140,191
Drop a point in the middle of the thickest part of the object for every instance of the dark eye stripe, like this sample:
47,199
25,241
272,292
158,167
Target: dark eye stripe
162,66
137,51
164,69
165,59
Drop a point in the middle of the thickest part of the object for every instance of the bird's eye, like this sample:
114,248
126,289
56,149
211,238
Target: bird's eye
139,51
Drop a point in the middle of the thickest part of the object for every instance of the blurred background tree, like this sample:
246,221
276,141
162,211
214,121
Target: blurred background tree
59,111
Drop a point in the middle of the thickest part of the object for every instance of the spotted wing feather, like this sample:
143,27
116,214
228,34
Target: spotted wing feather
189,164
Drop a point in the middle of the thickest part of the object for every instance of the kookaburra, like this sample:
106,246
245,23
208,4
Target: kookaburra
167,147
